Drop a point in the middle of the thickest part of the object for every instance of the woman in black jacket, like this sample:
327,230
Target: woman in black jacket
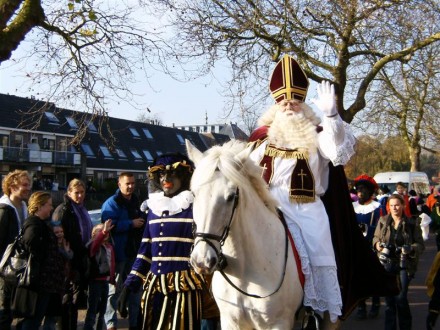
77,225
47,263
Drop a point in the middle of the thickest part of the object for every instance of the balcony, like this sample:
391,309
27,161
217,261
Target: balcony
26,155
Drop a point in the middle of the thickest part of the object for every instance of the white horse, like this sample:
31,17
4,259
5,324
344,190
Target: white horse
236,220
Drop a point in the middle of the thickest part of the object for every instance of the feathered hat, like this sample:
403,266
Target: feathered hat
170,161
288,81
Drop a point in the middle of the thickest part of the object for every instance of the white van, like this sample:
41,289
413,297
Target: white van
417,181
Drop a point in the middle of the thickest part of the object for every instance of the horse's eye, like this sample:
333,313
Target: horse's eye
230,198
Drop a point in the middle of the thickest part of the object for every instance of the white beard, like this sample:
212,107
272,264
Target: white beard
293,132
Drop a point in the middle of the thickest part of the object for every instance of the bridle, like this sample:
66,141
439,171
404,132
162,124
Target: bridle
207,237
222,262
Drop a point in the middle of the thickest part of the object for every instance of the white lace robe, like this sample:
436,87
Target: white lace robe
308,222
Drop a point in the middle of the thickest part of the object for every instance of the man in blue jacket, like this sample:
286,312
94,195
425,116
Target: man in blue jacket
123,209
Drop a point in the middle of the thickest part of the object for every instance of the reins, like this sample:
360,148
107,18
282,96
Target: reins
222,262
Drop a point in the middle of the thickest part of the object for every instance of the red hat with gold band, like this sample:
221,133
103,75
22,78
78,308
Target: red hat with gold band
288,81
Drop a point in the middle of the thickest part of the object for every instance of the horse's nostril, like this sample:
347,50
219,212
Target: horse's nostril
212,262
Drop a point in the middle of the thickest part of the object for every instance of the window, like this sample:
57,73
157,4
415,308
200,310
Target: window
92,127
134,132
72,123
147,133
120,153
181,139
87,150
159,152
148,155
5,140
48,144
62,145
136,154
105,152
18,141
51,118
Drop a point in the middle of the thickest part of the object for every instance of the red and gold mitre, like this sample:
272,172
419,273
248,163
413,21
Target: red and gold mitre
288,81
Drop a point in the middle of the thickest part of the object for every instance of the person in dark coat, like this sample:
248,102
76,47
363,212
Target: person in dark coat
164,254
398,241
433,290
123,208
48,273
367,215
77,226
13,212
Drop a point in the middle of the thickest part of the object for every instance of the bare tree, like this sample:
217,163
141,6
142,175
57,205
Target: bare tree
81,53
149,118
345,42
406,99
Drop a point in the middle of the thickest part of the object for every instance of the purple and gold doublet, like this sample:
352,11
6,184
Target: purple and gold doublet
162,265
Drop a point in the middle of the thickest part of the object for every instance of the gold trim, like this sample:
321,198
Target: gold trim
301,199
171,258
171,220
141,256
138,274
173,239
273,151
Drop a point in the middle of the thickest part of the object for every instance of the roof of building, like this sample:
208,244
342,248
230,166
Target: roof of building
234,132
136,143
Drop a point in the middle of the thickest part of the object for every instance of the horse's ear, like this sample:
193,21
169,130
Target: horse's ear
193,153
243,155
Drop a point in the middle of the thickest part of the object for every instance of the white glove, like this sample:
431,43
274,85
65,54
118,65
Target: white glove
326,99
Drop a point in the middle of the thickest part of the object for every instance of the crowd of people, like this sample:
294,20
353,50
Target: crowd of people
103,268
353,243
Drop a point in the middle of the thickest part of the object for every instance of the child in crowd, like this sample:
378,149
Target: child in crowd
101,273
63,245
67,254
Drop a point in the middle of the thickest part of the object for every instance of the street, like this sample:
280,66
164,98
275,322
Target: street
417,297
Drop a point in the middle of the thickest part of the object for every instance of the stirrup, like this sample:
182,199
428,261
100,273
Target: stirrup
311,320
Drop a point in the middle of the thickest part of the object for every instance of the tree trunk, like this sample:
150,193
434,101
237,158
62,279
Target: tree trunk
414,156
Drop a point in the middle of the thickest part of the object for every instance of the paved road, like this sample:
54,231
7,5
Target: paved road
417,298
416,295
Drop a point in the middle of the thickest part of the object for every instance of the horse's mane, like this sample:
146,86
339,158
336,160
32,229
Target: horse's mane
245,175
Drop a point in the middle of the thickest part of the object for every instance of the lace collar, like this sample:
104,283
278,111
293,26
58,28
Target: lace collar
158,202
365,208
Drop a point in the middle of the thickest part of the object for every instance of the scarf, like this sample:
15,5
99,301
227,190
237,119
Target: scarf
84,221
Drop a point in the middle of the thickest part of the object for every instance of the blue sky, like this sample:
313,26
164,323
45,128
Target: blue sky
171,101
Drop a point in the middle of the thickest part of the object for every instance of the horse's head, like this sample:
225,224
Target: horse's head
215,200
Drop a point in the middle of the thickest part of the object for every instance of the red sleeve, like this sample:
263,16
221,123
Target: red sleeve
259,134
96,243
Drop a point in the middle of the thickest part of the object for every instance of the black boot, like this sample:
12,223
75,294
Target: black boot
311,320
375,306
362,311
431,319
